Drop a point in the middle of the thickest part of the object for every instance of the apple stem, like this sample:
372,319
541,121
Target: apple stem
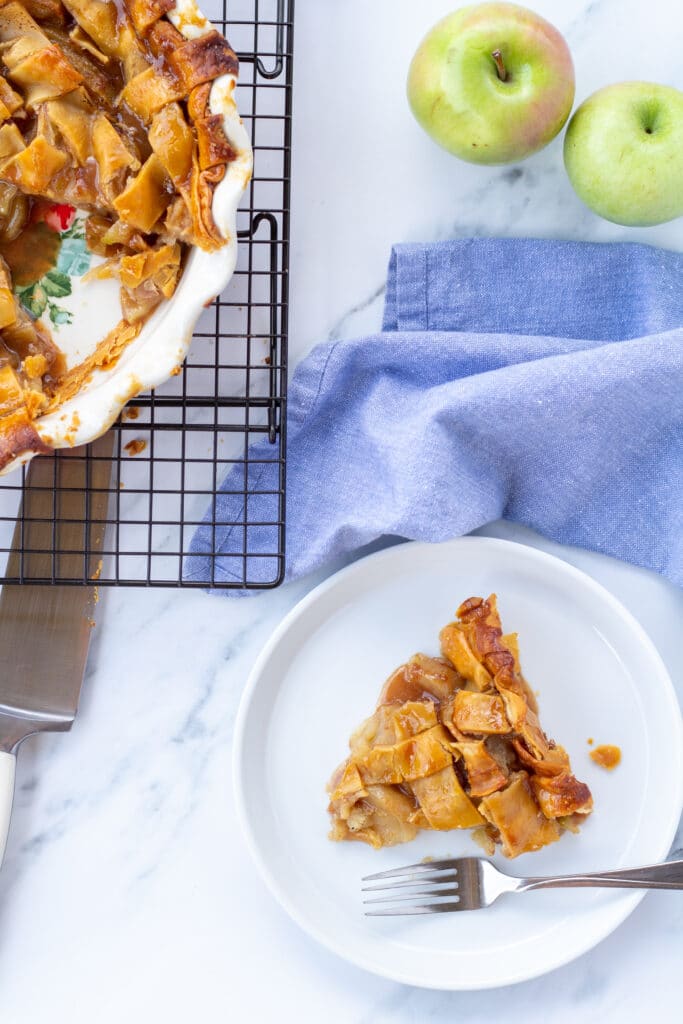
500,65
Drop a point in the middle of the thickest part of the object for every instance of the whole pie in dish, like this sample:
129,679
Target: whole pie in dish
456,742
105,115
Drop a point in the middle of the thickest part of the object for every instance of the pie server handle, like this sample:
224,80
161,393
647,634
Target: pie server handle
7,767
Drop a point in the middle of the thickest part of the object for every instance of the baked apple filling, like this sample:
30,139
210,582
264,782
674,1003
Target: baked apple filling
104,109
455,742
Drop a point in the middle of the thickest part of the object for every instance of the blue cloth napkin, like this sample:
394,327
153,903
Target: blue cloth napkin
535,381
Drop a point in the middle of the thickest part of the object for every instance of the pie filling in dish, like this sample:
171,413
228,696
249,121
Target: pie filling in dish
104,109
455,742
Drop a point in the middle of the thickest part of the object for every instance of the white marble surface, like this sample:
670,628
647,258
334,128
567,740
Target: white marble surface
127,893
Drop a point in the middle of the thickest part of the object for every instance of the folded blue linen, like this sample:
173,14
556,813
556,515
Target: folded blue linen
529,380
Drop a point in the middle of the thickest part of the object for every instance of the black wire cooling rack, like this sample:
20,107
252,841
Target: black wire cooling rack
173,447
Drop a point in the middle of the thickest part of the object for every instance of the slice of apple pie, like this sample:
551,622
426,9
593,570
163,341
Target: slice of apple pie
105,108
456,742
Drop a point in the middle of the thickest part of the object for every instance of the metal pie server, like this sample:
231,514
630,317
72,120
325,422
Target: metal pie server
45,629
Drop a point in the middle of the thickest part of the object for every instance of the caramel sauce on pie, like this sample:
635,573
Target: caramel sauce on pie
32,254
455,743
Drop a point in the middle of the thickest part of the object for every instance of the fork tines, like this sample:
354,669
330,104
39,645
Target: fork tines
427,880
409,869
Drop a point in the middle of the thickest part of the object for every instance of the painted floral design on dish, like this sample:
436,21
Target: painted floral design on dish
56,241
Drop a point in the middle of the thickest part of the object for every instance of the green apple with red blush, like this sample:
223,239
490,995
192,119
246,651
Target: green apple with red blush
492,83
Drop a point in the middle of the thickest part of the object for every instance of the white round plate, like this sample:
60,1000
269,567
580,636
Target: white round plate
598,676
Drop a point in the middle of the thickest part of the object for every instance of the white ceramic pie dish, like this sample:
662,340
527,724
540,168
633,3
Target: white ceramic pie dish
598,676
161,346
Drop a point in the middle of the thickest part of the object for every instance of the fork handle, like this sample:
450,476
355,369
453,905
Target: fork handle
656,876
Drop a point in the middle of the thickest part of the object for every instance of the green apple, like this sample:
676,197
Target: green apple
624,153
492,83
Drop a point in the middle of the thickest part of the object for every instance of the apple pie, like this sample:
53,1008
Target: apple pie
105,112
456,742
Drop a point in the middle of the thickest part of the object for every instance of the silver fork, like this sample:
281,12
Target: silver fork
471,883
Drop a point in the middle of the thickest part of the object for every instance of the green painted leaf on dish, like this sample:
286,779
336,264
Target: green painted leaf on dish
58,315
76,231
56,284
34,300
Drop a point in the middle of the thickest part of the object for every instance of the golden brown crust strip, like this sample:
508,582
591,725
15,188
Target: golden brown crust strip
19,438
204,59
